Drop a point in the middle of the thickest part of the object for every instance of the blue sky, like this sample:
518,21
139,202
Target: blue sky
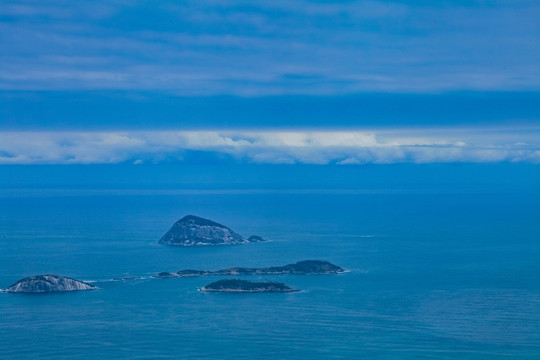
269,82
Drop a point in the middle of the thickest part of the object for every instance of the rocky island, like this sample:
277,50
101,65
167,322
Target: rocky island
48,284
196,231
244,286
306,267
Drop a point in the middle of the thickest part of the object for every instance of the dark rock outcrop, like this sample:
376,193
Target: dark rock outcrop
255,238
244,286
306,267
48,284
196,231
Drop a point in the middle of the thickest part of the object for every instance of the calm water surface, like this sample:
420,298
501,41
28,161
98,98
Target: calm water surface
430,276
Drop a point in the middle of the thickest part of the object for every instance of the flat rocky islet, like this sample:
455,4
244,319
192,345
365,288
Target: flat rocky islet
305,267
192,230
39,284
244,286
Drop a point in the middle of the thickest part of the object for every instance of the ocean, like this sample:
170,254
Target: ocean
430,275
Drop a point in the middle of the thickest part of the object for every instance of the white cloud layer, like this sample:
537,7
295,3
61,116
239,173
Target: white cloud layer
352,147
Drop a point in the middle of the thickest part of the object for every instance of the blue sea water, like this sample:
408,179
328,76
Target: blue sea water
430,276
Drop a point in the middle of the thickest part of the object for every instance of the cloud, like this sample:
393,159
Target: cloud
383,146
270,47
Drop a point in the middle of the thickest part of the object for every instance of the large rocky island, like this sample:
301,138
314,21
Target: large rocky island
306,267
196,231
48,284
244,286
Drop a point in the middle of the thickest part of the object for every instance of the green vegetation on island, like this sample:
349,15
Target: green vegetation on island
306,267
244,286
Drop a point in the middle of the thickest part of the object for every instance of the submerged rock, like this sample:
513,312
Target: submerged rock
196,231
127,278
244,286
47,284
306,267
166,275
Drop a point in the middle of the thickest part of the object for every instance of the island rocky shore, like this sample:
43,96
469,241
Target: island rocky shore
196,231
306,267
244,286
47,284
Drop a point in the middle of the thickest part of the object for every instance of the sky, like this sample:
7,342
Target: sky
327,83
258,48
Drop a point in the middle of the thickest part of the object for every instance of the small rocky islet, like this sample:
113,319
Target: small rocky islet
48,284
305,267
244,286
192,230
